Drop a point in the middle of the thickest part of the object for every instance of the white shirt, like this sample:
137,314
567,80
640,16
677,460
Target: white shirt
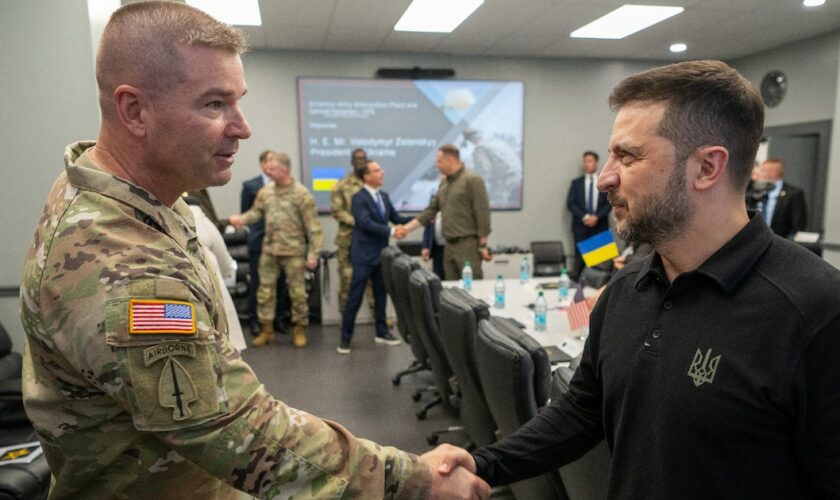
439,239
772,198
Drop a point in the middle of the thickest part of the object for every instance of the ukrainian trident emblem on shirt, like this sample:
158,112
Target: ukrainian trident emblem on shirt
703,368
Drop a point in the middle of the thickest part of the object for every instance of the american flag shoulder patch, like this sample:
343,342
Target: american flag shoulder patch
160,316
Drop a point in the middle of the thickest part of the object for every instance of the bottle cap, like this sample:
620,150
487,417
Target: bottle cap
466,262
499,277
541,293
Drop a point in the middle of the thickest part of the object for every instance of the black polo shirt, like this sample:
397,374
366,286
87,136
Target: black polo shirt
722,384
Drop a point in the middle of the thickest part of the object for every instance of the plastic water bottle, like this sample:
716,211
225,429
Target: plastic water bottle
466,276
524,270
565,283
540,313
499,303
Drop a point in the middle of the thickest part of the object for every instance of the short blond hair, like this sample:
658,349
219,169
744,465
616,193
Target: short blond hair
139,45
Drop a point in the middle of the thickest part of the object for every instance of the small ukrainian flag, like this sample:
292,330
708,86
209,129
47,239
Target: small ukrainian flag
597,249
324,178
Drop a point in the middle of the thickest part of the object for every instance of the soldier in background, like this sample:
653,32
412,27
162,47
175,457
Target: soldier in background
129,377
340,208
291,245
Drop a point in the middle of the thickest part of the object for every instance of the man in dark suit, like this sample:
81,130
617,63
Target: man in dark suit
785,210
589,208
372,210
256,232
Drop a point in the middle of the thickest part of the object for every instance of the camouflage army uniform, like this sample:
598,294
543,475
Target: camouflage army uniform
123,414
340,201
292,235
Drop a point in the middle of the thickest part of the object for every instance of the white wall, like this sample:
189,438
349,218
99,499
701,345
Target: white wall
566,113
813,71
49,100
811,68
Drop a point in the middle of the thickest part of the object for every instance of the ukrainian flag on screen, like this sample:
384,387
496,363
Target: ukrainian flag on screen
597,249
324,178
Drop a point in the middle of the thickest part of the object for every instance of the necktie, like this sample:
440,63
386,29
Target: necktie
380,205
590,201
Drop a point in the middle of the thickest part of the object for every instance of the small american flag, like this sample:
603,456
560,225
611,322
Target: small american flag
578,311
159,316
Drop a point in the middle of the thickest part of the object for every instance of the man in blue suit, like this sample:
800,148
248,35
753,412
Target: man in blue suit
590,209
256,232
372,210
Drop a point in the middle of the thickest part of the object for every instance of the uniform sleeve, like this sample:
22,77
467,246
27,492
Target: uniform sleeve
480,206
257,210
196,394
429,212
338,208
311,226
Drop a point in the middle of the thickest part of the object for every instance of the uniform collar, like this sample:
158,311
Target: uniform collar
729,265
457,174
176,221
287,186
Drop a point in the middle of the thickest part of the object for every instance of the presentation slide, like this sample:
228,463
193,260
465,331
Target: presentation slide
401,123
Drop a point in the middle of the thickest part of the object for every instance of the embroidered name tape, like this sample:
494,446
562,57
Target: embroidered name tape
160,316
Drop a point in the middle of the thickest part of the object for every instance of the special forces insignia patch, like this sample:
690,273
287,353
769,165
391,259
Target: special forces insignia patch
703,368
176,389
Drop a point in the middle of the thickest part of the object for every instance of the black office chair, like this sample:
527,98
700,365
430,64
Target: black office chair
401,268
17,481
424,292
587,477
459,317
549,259
388,255
515,375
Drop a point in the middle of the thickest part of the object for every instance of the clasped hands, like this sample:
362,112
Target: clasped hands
590,220
236,221
400,231
453,474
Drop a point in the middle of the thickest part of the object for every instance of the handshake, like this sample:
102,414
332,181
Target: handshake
453,474
400,231
236,221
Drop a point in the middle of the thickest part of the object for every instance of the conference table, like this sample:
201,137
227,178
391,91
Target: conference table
518,297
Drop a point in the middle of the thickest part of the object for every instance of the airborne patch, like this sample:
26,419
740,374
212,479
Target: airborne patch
176,388
160,316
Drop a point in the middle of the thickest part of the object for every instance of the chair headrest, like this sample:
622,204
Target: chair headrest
542,365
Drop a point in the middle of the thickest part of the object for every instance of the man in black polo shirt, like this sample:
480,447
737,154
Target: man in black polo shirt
712,367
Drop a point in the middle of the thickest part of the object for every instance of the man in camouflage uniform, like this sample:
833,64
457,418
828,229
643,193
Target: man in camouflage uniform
129,377
340,208
291,244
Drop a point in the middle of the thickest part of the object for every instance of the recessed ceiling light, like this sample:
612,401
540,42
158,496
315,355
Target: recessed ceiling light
813,3
436,16
625,21
678,47
241,12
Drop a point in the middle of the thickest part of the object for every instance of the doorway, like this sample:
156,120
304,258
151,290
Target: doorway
804,149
